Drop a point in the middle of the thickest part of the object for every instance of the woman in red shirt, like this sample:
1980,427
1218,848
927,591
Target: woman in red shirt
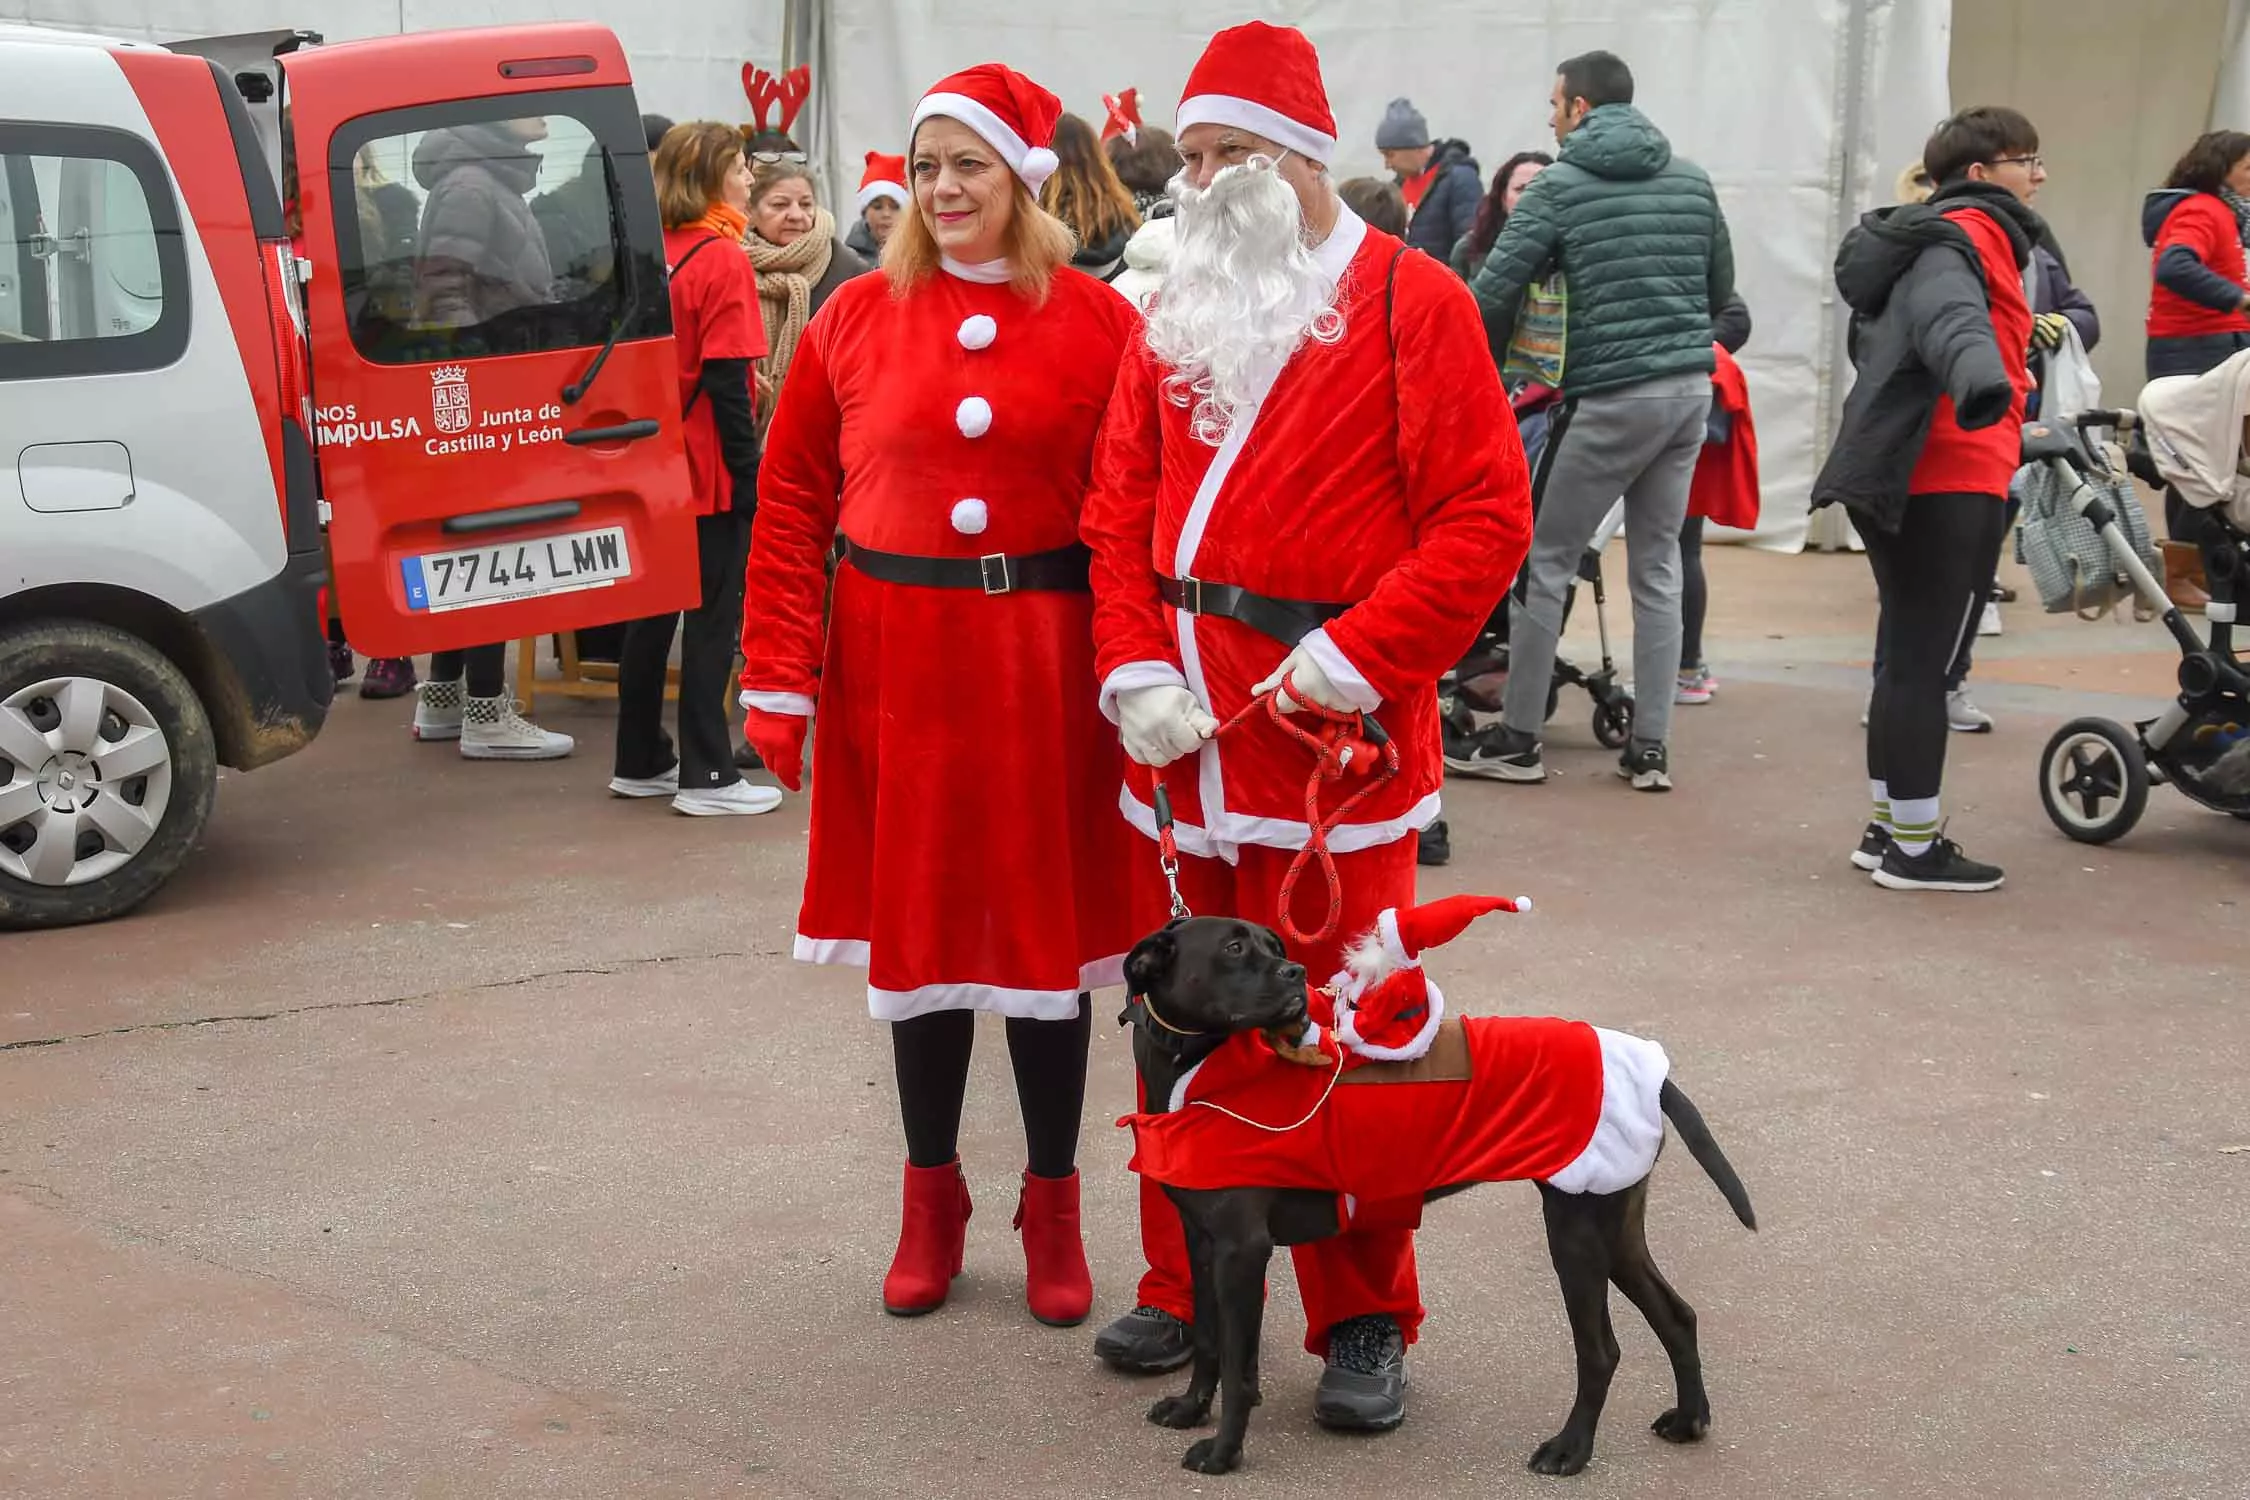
2198,300
702,188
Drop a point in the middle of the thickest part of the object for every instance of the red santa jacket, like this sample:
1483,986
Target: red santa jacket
1545,1100
1725,488
1382,472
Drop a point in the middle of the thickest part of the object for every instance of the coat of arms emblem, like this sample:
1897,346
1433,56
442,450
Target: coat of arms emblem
449,398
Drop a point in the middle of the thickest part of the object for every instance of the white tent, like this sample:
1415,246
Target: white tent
1802,110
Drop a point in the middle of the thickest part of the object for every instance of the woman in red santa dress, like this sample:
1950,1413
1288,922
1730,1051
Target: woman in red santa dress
966,847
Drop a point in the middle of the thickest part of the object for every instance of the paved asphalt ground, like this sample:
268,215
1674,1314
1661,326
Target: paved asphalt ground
453,1130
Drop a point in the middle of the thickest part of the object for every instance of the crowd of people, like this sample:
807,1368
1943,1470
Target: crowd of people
1001,530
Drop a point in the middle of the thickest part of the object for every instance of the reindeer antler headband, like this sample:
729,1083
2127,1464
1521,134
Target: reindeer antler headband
767,93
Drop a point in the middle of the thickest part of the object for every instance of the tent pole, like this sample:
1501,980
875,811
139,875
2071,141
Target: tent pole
1829,530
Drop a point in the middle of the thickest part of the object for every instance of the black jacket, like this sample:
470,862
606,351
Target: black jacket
1921,329
1449,206
1103,260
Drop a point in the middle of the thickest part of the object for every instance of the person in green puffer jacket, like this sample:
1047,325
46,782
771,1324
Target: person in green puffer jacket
1638,235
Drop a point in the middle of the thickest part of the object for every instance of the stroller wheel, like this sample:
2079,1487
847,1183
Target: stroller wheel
2093,778
1613,721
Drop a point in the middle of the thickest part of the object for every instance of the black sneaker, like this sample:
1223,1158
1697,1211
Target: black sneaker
1435,847
1874,843
1499,754
1363,1388
1646,766
1941,867
1146,1341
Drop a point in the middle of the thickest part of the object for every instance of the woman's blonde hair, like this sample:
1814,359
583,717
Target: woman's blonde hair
1085,192
692,162
1037,245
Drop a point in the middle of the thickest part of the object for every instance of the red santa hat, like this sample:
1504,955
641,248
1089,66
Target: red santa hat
1386,1006
885,177
1266,80
1124,116
1015,116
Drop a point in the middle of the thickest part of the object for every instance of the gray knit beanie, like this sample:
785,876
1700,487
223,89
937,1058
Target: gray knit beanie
1403,128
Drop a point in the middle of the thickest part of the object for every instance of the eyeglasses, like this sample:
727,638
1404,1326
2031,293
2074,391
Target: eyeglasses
769,158
2034,161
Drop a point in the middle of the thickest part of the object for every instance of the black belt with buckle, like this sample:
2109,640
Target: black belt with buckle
1065,570
1286,620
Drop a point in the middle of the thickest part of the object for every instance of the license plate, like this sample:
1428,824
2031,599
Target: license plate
464,579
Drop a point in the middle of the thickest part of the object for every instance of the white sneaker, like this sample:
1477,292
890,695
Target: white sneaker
1963,716
491,729
666,785
437,710
1989,623
738,799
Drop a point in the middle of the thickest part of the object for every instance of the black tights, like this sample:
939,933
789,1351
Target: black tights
931,1054
1931,575
1695,593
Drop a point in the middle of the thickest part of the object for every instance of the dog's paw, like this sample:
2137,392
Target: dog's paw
1564,1453
1677,1426
1208,1457
1180,1411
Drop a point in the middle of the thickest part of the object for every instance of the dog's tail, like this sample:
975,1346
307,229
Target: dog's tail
1688,1121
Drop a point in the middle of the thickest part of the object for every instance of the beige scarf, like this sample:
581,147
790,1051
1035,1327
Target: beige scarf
787,275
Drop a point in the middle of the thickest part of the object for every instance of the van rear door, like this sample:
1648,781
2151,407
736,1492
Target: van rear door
496,392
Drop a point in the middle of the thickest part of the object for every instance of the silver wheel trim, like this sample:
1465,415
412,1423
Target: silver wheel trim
69,776
2062,776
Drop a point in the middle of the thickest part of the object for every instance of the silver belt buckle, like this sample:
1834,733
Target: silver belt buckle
993,569
1191,595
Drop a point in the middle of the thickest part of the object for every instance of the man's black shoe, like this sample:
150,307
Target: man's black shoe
1436,846
1146,1341
1363,1389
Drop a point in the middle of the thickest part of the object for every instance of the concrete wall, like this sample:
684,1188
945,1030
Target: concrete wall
2118,92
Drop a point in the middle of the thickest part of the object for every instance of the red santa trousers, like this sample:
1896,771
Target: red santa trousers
1362,1271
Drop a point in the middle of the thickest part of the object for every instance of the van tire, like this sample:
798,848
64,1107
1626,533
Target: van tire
40,649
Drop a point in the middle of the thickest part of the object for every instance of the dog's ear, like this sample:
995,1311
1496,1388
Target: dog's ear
1150,962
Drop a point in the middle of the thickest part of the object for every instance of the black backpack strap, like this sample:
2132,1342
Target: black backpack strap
692,252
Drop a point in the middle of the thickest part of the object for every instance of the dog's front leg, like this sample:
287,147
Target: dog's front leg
1192,1407
1239,1267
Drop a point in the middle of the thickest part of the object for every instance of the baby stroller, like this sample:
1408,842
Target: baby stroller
2094,774
1465,695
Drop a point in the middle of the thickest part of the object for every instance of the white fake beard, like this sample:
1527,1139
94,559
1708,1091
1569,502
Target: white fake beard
1241,292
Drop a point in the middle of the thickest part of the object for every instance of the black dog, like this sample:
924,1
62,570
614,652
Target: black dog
1204,979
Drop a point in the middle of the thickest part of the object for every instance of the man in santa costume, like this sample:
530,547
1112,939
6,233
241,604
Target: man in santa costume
1309,471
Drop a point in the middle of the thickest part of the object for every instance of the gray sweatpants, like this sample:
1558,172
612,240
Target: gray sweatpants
1640,442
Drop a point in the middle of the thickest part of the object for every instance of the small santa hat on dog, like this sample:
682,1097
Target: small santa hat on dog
885,177
1266,80
1015,116
1386,1006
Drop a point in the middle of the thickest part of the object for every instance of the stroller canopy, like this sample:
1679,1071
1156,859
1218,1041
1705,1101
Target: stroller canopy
2196,436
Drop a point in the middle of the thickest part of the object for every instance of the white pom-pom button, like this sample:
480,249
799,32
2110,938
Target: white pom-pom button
973,416
969,517
978,332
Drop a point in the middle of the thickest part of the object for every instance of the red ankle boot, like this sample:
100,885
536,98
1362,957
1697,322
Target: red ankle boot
1056,1282
932,1227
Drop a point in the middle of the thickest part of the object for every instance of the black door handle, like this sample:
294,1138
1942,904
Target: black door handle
514,515
622,432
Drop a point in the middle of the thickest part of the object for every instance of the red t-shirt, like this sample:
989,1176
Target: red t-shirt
1414,187
1982,462
714,316
2204,224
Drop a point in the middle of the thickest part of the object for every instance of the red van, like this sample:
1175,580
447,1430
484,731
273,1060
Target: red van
201,367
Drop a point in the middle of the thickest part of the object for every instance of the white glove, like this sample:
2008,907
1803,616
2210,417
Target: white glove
1311,682
1162,723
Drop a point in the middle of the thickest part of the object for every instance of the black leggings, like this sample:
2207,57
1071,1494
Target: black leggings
931,1055
1695,593
1931,575
486,668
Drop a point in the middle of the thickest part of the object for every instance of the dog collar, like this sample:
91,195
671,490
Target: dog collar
1149,1006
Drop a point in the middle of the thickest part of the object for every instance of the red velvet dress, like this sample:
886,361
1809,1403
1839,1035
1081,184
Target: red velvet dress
966,843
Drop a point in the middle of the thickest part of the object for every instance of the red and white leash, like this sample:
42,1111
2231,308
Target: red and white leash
1335,746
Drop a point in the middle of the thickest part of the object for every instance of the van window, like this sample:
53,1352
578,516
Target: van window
495,226
93,271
